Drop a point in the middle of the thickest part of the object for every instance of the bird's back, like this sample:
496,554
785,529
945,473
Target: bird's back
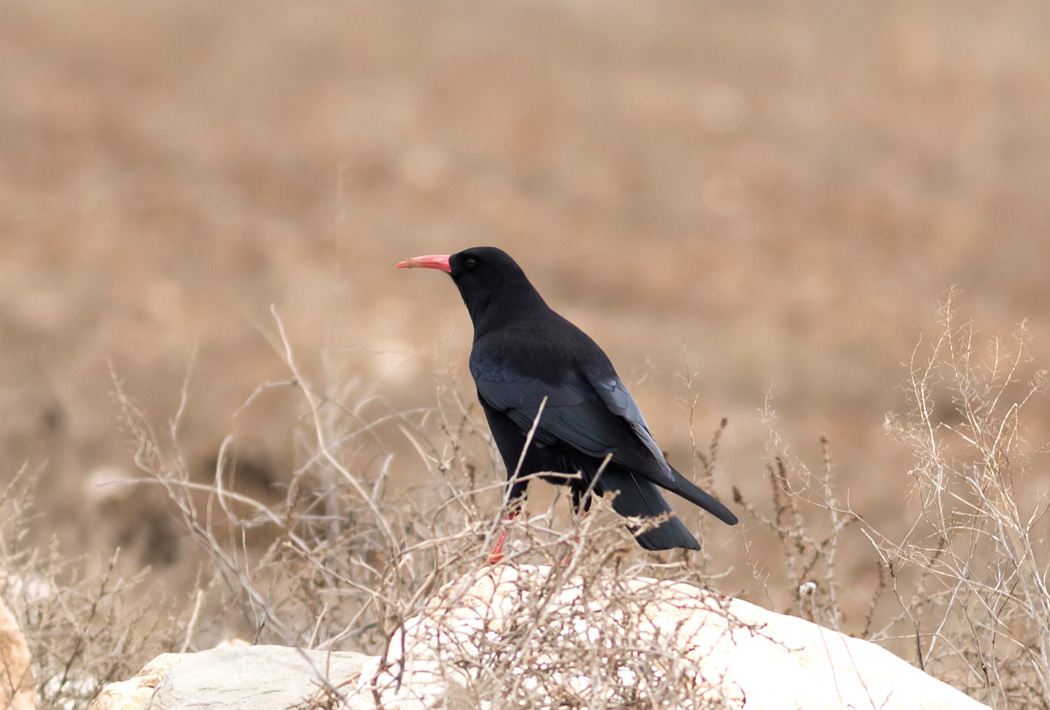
545,346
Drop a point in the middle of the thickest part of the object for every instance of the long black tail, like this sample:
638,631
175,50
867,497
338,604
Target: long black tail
638,497
685,488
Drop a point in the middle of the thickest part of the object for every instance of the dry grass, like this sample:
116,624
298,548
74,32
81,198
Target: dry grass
966,583
160,189
86,625
977,557
344,559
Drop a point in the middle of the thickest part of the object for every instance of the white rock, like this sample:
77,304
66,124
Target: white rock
133,694
253,678
233,678
734,654
16,670
526,637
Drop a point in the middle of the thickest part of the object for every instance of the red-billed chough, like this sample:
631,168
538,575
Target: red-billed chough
526,361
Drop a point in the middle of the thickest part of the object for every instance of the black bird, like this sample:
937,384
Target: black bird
527,357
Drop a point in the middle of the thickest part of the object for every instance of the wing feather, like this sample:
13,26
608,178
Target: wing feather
593,414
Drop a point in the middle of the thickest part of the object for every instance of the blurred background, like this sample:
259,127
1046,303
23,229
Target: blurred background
742,202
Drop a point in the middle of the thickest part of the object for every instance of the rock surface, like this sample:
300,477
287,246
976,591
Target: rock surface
16,670
529,636
718,651
134,693
237,678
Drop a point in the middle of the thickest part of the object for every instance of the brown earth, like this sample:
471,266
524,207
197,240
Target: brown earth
773,197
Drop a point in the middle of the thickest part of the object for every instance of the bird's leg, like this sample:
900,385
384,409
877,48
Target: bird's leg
516,499
497,552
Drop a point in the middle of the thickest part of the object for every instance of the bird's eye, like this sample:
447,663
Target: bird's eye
470,262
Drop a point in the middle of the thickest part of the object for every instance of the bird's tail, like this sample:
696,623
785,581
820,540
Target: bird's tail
688,490
637,497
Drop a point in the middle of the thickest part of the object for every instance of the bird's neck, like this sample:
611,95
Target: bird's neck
506,305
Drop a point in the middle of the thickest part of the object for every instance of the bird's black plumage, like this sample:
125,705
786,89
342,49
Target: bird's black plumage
526,356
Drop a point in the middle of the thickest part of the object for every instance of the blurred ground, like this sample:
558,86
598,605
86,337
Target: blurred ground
771,196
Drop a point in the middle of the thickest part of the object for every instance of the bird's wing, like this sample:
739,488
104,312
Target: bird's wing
593,414
620,402
590,411
569,414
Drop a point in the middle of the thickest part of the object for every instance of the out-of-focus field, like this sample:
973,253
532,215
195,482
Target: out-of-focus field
772,197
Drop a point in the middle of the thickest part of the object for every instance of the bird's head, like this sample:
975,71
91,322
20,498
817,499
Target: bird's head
487,278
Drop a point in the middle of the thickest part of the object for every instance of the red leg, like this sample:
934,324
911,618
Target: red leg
497,552
564,562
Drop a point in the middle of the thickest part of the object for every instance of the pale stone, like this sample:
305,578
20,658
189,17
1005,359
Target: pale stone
133,694
741,654
256,678
16,671
234,677
671,644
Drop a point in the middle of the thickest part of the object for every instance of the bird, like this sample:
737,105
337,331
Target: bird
557,408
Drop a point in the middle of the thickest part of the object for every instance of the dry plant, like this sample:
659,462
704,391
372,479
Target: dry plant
348,555
348,560
84,628
809,523
578,631
967,582
971,573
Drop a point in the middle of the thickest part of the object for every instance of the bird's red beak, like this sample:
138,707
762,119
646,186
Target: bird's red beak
433,261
